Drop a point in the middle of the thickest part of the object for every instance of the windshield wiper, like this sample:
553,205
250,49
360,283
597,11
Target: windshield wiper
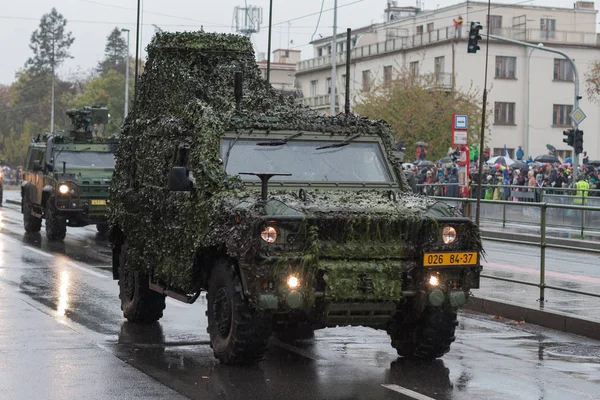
280,142
343,143
230,147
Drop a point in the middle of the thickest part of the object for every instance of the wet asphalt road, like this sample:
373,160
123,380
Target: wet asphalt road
62,336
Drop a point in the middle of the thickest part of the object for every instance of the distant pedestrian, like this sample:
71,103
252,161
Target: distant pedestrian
586,159
520,154
582,191
458,22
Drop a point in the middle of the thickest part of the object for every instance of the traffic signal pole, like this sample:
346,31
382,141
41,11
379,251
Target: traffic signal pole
576,76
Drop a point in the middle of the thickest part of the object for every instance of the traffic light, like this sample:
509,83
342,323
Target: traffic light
578,146
474,37
570,137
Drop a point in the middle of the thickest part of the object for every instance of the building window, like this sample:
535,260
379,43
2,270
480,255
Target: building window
499,151
414,69
495,23
548,28
504,113
420,30
563,71
313,88
439,66
328,85
430,27
320,52
344,81
560,114
564,154
366,80
387,74
505,67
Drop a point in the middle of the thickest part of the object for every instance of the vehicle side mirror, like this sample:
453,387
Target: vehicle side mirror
37,166
178,180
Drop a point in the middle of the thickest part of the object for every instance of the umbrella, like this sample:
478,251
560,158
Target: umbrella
445,160
425,163
546,158
520,165
595,163
501,160
407,165
421,144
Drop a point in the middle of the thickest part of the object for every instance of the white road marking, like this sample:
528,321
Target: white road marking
38,251
407,392
84,269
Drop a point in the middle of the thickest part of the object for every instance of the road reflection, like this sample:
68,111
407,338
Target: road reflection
63,294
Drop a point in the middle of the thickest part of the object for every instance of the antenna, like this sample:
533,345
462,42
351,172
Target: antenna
247,20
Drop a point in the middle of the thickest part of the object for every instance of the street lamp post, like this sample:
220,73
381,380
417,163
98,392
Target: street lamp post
126,111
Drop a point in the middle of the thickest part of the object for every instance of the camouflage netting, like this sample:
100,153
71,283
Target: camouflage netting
186,99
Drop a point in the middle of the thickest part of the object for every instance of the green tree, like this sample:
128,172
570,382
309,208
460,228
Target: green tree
50,44
106,91
420,109
14,145
114,53
592,81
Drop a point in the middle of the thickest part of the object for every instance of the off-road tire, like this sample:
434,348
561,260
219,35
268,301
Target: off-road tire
32,224
238,335
56,226
426,338
138,302
102,228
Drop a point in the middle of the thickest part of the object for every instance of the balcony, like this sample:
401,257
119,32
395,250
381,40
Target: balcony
446,34
318,102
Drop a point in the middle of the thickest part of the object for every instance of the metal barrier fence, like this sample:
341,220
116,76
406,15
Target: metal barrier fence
538,214
513,209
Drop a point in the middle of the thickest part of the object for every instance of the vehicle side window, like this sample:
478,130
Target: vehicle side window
34,154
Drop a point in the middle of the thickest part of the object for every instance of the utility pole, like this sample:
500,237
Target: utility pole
126,111
137,49
269,48
53,62
332,95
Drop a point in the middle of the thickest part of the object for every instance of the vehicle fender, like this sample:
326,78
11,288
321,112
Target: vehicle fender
28,191
46,193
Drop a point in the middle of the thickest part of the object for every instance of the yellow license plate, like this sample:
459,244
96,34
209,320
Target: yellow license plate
451,258
98,202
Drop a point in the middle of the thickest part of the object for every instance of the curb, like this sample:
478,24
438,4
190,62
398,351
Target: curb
18,203
535,239
549,319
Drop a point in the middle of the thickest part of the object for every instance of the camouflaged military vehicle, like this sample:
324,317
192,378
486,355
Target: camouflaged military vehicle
66,176
291,221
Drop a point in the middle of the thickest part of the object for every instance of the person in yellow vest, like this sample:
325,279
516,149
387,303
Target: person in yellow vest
582,191
458,22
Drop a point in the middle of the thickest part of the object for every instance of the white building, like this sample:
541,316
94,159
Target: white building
283,68
530,92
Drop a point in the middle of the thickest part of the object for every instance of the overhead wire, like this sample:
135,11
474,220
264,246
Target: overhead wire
318,21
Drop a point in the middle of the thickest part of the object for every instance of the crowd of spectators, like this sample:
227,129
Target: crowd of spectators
504,182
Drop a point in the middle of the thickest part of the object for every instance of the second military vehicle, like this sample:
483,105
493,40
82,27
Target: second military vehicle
66,177
290,220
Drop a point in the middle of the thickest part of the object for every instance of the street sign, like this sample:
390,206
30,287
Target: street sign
460,121
577,115
459,138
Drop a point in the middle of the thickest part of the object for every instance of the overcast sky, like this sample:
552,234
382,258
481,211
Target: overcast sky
92,20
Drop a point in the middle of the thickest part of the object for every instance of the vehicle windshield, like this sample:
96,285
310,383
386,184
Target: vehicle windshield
357,162
85,159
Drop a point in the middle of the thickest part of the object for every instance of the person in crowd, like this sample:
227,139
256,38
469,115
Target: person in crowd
582,191
586,159
520,154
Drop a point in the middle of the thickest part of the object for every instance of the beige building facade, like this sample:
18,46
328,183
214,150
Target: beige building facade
530,91
283,69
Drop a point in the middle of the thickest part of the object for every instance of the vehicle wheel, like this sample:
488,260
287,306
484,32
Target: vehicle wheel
56,226
31,223
238,335
427,338
102,228
138,302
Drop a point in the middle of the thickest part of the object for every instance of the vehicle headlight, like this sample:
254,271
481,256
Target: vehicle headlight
293,282
434,280
448,234
269,234
63,188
